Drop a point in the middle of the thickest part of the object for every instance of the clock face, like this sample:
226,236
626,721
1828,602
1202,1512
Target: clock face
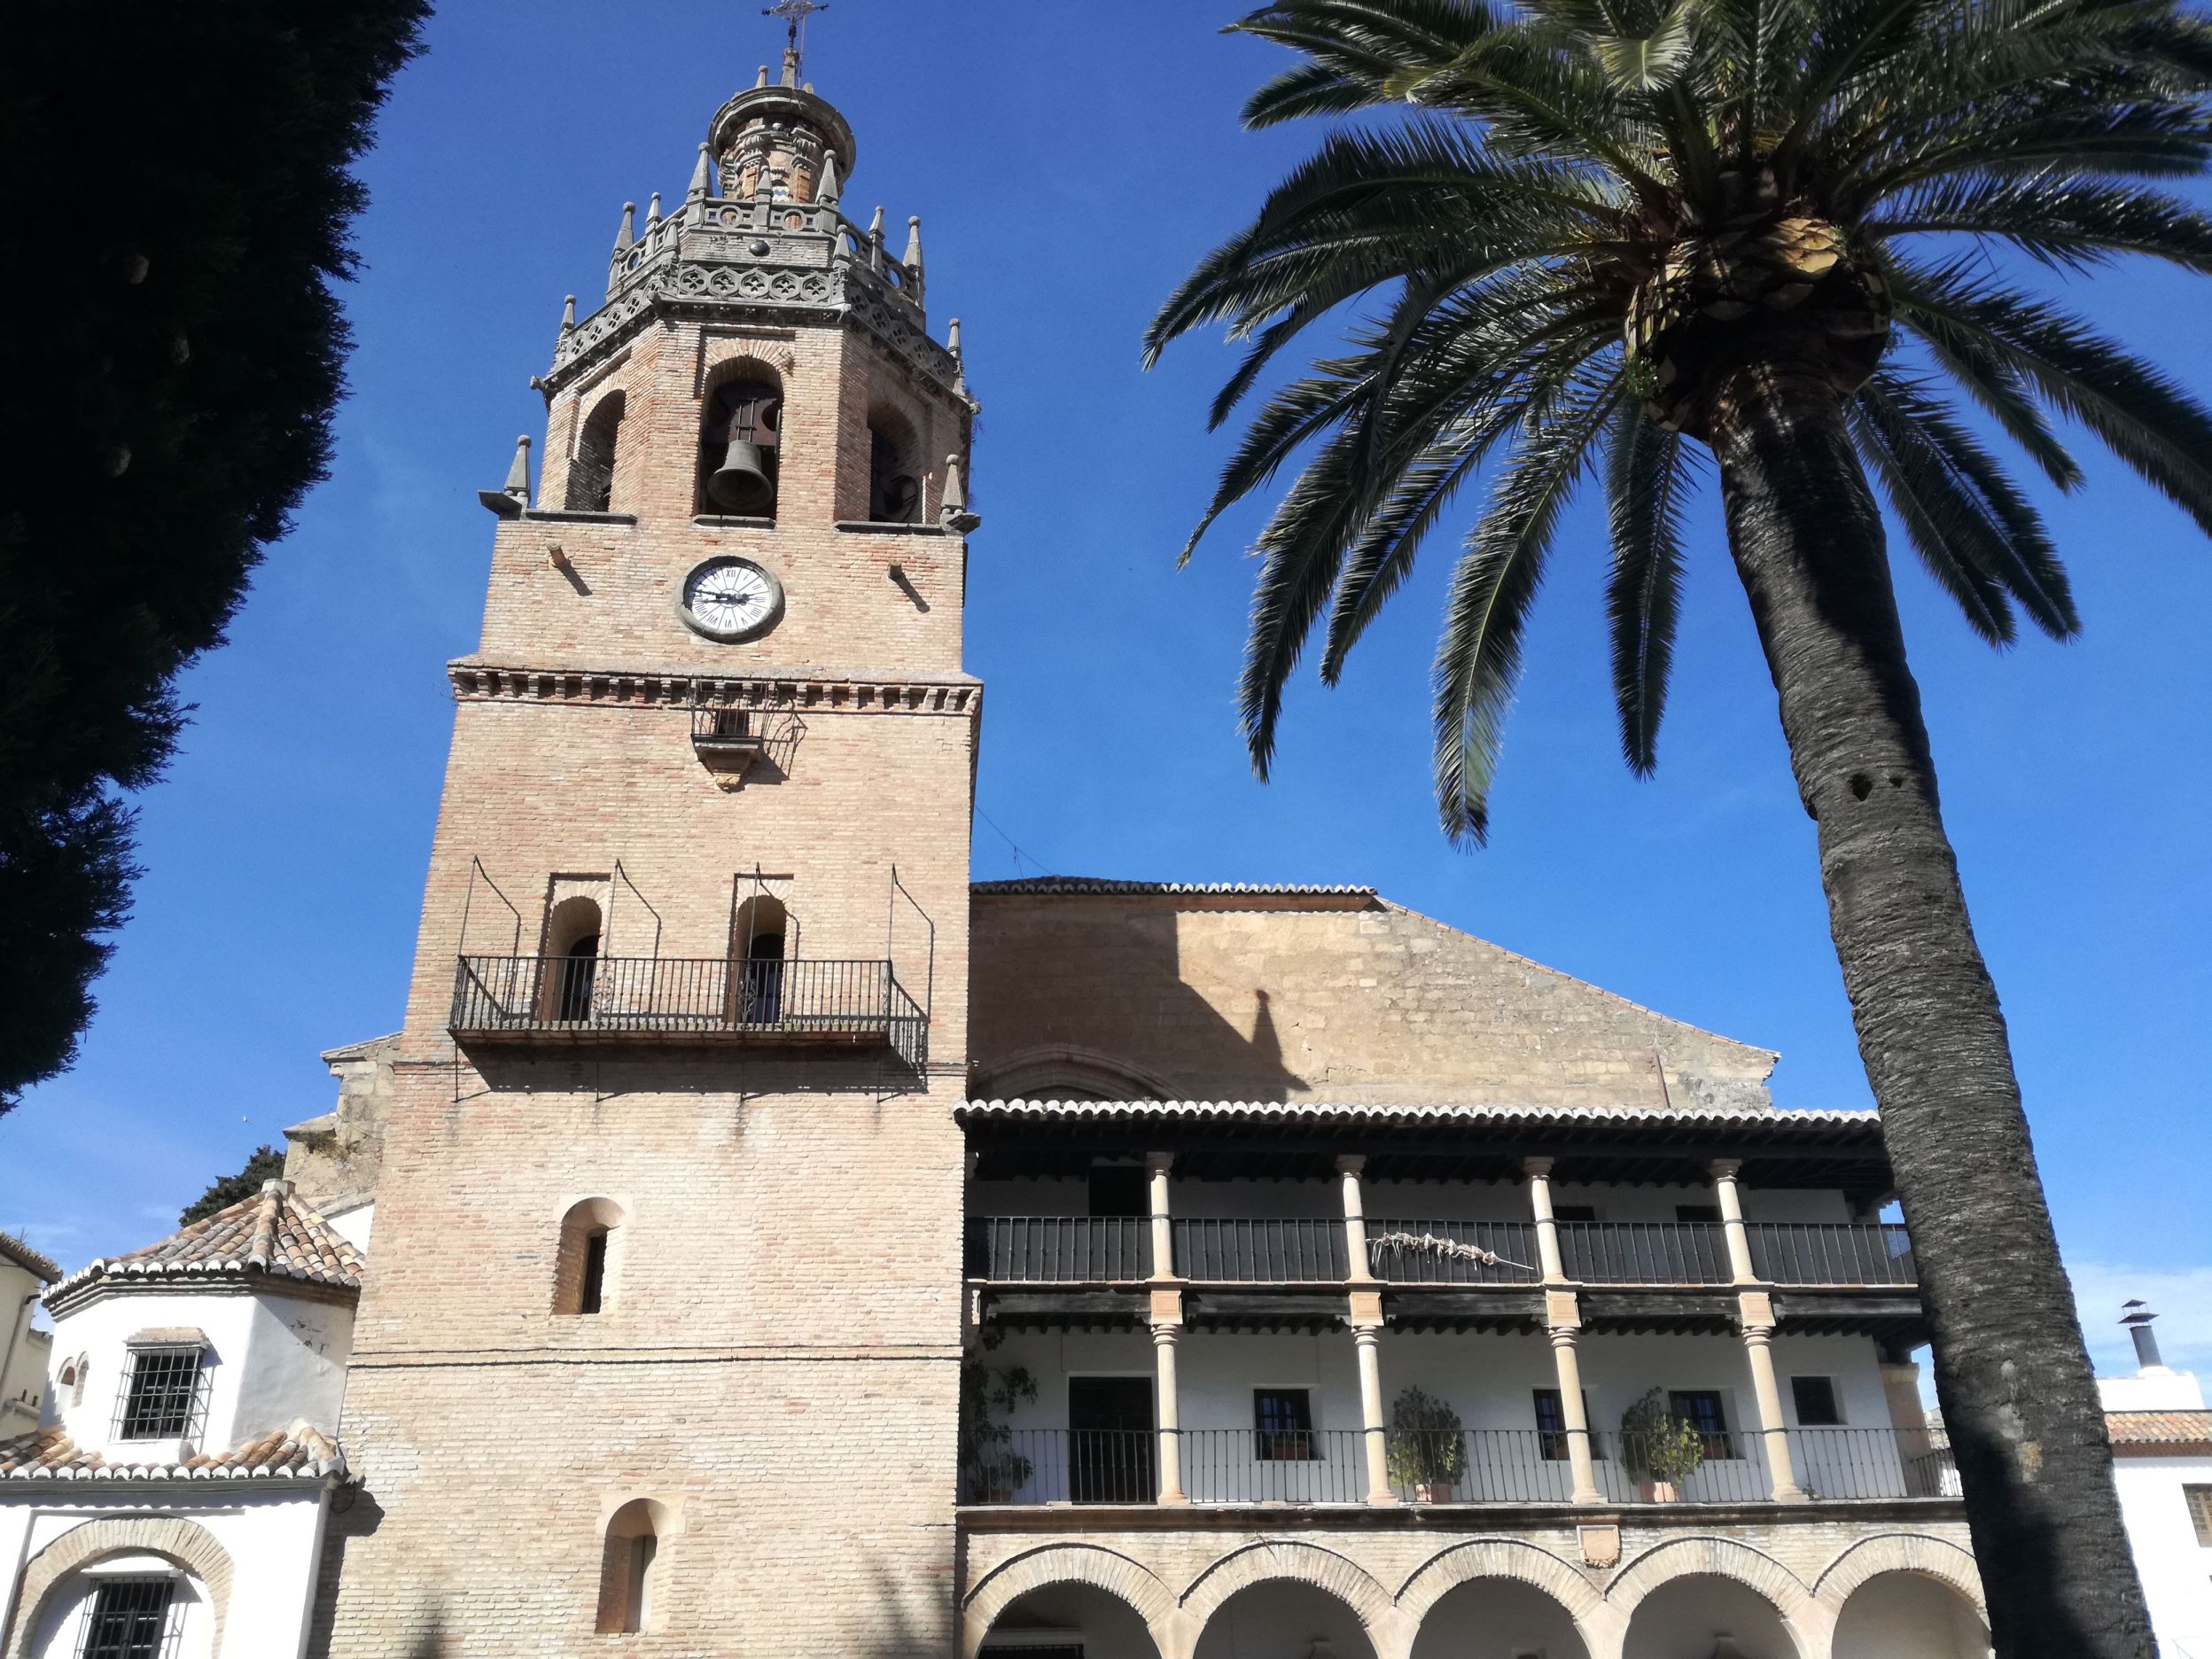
731,599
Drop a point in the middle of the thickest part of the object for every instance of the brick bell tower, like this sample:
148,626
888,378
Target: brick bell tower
662,1330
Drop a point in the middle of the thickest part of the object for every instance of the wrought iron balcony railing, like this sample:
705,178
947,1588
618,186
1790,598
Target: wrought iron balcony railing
1105,1249
686,1000
1473,1466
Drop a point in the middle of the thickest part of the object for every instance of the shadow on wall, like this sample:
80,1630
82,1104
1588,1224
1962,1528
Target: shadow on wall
1106,976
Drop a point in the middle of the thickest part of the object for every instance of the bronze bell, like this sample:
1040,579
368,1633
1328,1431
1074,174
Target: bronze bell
741,484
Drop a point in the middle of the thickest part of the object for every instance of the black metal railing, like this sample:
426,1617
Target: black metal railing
1874,1462
1260,1251
1059,1250
719,998
1473,1466
1818,1253
1645,1252
1307,1466
1437,1252
1068,1248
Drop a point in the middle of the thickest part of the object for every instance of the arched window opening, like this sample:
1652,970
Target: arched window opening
583,1268
591,470
78,1382
629,1570
740,442
761,935
895,478
572,959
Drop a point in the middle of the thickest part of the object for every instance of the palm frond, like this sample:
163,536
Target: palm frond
1478,655
1646,485
2139,413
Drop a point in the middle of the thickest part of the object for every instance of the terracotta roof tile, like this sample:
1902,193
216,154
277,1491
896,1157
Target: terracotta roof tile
300,1450
2159,1427
275,1232
13,1248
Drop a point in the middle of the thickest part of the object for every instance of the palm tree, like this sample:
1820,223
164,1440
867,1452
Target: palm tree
1616,237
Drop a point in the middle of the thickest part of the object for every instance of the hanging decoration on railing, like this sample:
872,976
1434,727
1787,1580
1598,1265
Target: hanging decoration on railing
1429,1244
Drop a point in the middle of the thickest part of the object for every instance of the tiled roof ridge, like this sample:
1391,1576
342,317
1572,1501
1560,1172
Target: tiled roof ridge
1110,884
282,1236
19,1252
2184,1426
303,1449
1845,1115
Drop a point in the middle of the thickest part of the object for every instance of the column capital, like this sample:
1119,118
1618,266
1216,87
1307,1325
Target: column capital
1350,1163
1725,1169
1158,1163
1168,1334
1365,1335
1537,1168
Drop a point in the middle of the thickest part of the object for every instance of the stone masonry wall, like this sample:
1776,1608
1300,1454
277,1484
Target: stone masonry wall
1328,998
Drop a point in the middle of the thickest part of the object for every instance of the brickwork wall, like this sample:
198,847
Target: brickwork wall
777,1359
844,606
1329,999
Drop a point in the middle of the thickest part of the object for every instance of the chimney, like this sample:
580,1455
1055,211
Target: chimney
2137,1316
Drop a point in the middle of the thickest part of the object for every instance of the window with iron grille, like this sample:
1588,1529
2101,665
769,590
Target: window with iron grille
161,1398
131,1620
2200,1511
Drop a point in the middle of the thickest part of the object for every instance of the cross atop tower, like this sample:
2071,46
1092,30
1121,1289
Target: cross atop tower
794,14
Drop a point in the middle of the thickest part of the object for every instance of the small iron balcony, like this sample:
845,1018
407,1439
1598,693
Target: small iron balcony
686,1000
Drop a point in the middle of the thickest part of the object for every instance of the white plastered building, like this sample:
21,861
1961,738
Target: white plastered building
2162,1452
171,1503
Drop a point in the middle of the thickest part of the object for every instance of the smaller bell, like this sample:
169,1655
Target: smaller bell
741,485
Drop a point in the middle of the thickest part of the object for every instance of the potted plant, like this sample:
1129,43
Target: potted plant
1427,1449
991,1470
1660,1448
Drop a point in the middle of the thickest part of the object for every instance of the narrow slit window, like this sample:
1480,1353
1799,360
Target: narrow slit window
592,1293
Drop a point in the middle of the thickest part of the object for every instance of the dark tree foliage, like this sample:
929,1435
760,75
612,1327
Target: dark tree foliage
174,185
266,1164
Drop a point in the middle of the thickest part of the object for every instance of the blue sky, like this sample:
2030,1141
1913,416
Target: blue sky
1069,160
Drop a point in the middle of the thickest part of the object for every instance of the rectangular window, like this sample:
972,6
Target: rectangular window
159,1395
131,1620
1120,1189
1282,1424
1702,1409
2200,1511
1574,1212
1815,1402
1698,1214
1551,1427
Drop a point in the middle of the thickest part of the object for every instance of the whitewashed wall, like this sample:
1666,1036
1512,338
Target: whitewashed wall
274,1360
273,1539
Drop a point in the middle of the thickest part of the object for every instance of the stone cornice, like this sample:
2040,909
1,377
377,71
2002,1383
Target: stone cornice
808,690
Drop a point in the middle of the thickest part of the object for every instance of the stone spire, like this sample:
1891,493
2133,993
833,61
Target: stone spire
626,237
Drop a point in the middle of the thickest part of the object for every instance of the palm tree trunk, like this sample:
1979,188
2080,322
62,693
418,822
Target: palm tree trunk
2011,1371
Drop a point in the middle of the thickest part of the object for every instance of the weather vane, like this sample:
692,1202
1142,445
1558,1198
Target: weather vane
795,13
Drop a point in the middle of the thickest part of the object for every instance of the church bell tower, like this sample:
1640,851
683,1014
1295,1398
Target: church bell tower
661,1340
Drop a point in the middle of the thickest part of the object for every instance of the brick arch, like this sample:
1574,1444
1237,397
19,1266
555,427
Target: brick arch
1126,1580
1722,1558
1902,1552
1288,1558
187,1543
1498,1558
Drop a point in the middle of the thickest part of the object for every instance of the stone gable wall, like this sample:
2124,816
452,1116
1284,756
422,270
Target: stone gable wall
1285,1000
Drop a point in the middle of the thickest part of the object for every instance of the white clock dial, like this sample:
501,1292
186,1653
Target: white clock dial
731,599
